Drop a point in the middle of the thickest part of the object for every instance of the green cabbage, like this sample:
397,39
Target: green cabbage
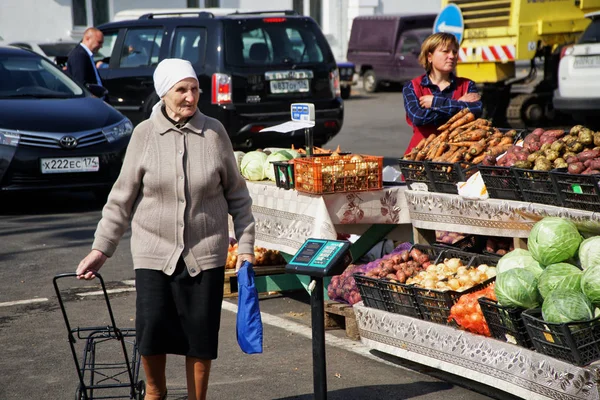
253,165
517,287
553,240
590,283
519,258
567,306
589,252
559,277
281,155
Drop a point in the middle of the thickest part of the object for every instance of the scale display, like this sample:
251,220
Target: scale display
318,257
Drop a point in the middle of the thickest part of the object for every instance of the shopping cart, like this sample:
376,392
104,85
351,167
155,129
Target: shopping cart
95,373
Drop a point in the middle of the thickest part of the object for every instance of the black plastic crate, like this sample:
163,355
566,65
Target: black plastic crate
449,252
491,260
415,172
370,291
435,305
501,182
284,174
505,323
577,191
470,243
574,342
399,298
537,187
446,175
432,251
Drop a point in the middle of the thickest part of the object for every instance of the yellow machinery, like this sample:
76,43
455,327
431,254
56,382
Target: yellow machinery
498,34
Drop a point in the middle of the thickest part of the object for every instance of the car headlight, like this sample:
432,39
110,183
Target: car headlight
9,138
116,132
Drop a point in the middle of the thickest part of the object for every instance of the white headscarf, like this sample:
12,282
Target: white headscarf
168,72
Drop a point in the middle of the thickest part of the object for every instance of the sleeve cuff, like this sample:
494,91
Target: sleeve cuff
105,246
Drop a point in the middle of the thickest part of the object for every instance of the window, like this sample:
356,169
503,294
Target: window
85,11
260,43
106,50
410,44
592,33
141,47
212,3
189,44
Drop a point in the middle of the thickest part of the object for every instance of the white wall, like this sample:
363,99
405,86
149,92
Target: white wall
258,4
408,7
29,19
120,5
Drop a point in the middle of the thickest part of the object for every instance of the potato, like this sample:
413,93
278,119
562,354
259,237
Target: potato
533,156
575,147
542,164
588,155
596,138
545,146
568,154
575,168
594,164
560,163
537,132
523,164
568,139
575,130
558,146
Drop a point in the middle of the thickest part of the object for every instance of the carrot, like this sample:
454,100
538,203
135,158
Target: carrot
420,145
442,147
430,138
477,148
456,132
449,153
421,155
506,140
471,136
466,143
458,155
497,150
468,157
479,158
454,118
431,153
493,141
468,117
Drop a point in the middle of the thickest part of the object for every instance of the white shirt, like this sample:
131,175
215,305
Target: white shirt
93,62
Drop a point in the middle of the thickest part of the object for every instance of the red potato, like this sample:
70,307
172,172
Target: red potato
557,133
547,139
537,132
501,252
594,164
572,160
588,155
576,168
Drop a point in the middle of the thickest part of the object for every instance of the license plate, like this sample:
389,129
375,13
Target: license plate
69,164
586,62
291,86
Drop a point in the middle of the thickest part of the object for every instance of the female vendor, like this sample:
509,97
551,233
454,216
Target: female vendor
431,99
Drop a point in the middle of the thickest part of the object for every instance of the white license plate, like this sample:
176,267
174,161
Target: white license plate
292,86
69,164
586,62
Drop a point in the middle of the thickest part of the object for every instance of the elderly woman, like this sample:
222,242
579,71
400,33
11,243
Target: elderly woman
178,182
431,99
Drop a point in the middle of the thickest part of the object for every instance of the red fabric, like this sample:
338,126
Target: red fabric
420,132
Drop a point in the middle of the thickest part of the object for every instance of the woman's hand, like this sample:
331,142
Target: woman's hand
470,97
244,257
90,265
426,101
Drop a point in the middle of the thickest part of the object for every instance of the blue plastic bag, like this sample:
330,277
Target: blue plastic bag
249,323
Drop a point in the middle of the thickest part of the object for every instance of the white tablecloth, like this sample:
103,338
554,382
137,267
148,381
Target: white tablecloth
286,218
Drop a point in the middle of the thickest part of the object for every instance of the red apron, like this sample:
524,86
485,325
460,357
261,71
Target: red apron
420,132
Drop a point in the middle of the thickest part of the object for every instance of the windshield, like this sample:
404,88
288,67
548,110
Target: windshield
34,77
592,33
275,41
57,49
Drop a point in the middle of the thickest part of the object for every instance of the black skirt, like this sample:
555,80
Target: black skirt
179,314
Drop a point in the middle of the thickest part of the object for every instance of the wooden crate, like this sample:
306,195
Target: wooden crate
341,316
231,286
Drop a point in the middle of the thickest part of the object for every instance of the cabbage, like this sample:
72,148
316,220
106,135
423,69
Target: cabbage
238,157
589,252
590,283
567,306
293,153
517,287
559,277
253,165
281,155
553,240
519,258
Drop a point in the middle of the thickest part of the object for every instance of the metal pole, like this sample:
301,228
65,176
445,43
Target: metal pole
318,340
308,135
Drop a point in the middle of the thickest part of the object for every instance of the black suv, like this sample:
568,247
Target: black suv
251,67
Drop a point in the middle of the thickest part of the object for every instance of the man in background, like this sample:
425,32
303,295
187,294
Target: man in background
80,64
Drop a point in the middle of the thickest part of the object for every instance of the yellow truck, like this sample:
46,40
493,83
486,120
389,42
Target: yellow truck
500,36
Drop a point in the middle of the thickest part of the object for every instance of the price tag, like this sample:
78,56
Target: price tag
577,189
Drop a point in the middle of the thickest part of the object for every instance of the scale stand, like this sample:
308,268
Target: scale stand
308,137
319,258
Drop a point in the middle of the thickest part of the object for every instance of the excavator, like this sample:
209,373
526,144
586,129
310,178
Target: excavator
511,49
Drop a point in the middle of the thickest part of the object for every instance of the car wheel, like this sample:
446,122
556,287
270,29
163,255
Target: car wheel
346,92
370,83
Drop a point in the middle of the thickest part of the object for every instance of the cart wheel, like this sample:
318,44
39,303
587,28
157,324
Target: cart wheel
80,393
141,390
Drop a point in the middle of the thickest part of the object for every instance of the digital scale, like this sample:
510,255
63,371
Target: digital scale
319,258
303,117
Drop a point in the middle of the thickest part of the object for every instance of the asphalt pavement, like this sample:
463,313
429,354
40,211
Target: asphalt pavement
42,235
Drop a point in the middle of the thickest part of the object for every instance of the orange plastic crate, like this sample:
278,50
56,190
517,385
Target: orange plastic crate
349,173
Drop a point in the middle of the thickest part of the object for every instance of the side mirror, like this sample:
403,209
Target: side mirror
97,90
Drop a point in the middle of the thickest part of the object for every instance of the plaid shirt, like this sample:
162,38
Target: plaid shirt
442,106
